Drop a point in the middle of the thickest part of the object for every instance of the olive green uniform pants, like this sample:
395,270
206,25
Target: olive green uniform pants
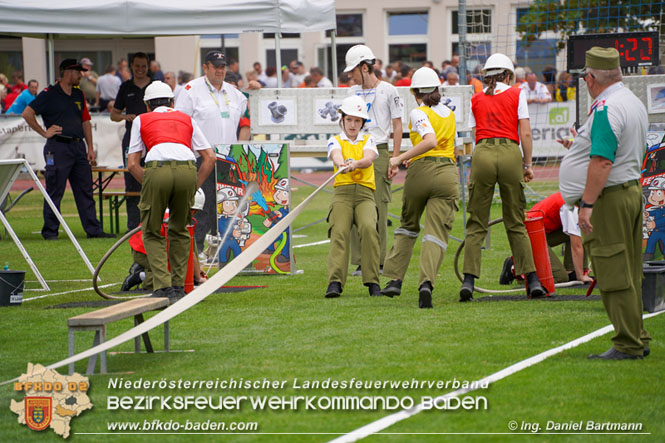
167,184
431,184
497,160
382,197
615,247
353,205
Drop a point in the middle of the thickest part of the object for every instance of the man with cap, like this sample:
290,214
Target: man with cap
89,82
385,109
601,172
217,107
170,141
67,121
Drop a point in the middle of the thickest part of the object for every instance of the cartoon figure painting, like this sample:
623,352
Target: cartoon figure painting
653,188
253,194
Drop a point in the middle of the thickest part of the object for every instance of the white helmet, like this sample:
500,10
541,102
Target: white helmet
354,106
657,183
358,54
226,194
425,80
157,89
282,185
199,200
497,63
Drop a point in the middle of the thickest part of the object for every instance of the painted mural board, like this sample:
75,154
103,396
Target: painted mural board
653,191
253,194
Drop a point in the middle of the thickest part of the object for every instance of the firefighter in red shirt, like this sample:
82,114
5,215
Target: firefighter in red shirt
499,118
170,141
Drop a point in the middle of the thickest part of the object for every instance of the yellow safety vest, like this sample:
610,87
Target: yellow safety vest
444,130
363,176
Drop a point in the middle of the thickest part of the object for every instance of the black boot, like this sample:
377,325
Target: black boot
133,279
374,290
334,289
393,288
536,290
425,295
507,275
466,291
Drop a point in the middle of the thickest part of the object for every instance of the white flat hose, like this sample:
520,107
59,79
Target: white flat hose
216,281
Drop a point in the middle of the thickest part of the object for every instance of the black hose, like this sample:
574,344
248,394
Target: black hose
117,244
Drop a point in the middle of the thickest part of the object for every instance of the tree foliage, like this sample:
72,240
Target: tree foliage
572,17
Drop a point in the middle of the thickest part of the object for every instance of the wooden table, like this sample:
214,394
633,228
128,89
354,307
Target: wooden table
101,183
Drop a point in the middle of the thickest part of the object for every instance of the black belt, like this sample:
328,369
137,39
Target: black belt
620,186
66,139
496,141
438,159
155,163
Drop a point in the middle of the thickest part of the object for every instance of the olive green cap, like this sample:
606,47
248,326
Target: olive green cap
602,58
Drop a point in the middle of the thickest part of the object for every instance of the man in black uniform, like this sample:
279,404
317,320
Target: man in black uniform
130,100
67,121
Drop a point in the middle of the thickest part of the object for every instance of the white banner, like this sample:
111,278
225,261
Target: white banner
549,122
17,140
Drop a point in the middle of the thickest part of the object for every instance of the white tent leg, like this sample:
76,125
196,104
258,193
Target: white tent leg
60,218
26,256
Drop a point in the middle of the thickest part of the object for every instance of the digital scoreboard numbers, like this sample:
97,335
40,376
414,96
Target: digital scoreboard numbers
636,49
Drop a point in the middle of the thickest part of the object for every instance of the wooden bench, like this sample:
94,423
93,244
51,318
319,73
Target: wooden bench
116,199
97,321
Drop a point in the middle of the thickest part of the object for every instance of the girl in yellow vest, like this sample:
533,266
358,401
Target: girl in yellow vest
353,199
432,183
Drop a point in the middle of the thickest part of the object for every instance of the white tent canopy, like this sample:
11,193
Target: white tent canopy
164,17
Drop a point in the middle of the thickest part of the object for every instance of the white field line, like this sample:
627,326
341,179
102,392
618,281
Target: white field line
69,292
322,242
385,422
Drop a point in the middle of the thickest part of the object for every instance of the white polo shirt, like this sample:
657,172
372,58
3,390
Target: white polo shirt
166,151
216,112
384,105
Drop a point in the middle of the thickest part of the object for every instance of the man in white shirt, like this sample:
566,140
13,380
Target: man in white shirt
536,92
216,106
452,79
170,141
107,88
385,110
299,73
321,81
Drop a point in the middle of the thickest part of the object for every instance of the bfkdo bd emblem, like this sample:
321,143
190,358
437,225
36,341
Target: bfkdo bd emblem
38,412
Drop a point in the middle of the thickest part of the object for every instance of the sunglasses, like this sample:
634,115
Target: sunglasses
587,74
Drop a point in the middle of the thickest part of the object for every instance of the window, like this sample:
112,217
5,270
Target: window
100,59
11,61
476,53
537,55
407,23
411,54
284,35
478,21
288,55
349,25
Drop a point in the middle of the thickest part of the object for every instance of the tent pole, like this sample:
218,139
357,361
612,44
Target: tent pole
333,49
50,44
278,58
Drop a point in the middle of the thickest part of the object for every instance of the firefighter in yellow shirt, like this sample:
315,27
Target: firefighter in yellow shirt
353,200
432,183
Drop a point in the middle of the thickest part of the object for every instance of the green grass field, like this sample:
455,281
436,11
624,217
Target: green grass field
289,331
